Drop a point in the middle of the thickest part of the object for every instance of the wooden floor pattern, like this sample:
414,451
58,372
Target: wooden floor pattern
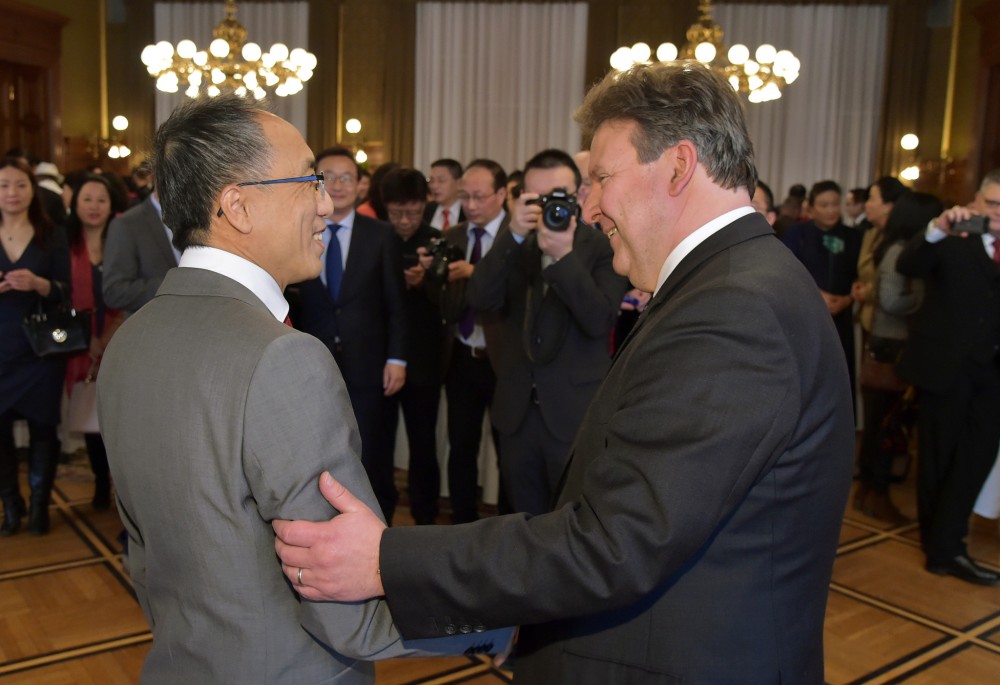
68,615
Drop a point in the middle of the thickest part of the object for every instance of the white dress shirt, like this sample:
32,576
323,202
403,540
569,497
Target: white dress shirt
454,212
695,239
477,338
241,270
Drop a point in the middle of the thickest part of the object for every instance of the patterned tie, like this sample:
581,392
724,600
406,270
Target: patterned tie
334,264
445,224
468,320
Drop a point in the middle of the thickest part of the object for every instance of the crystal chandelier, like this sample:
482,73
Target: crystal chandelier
760,79
229,64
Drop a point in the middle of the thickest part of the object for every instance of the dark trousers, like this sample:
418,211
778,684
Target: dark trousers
376,416
419,402
43,457
98,455
469,385
532,461
874,463
959,434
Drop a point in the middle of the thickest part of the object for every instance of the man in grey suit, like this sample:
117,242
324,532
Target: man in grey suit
218,417
137,255
696,528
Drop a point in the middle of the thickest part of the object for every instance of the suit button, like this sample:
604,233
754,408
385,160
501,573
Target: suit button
466,628
450,629
538,340
479,628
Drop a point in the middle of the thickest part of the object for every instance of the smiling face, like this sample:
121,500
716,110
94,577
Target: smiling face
15,190
630,201
93,205
341,183
287,218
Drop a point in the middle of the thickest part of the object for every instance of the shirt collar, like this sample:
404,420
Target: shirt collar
695,239
241,270
492,227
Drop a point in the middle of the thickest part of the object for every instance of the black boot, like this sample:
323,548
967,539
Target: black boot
13,510
98,456
43,458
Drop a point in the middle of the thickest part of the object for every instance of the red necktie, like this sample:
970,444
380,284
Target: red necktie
288,321
445,223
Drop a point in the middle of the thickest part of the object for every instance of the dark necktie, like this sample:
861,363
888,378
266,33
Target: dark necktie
334,264
468,321
996,251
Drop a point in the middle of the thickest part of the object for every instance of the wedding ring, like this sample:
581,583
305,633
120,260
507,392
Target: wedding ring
298,576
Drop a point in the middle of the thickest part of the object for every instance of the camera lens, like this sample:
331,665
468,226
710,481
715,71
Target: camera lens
557,215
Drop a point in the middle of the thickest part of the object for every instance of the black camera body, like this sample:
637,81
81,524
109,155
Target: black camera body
558,209
444,253
976,225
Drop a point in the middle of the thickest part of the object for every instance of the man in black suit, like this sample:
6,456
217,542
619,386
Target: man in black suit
404,193
445,209
699,515
556,297
356,308
951,357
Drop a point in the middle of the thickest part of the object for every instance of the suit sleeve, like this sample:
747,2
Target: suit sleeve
299,423
592,292
394,287
123,285
726,419
920,258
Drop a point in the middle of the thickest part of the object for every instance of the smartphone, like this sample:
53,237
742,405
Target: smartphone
977,225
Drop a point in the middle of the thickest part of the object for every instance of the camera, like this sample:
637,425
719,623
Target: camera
976,225
444,253
558,209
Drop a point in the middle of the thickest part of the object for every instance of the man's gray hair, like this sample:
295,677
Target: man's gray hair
670,103
205,145
991,178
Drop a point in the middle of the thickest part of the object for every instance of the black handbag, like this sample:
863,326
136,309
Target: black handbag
60,330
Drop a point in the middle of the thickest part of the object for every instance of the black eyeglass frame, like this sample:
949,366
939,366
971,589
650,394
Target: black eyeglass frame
318,177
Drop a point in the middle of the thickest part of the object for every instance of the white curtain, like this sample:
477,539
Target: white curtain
826,123
266,24
497,80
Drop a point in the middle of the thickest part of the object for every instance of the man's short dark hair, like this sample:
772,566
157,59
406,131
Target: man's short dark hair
674,102
768,195
340,151
205,145
499,175
553,159
798,191
821,187
403,185
453,166
858,194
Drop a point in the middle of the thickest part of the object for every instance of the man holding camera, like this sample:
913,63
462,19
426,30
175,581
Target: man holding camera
952,357
557,296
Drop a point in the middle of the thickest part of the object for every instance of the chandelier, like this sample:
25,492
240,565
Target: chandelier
760,79
230,64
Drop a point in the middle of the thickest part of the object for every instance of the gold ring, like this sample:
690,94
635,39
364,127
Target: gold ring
298,576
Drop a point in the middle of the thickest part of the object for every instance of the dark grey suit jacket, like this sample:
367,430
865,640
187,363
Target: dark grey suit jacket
137,255
699,515
554,338
219,419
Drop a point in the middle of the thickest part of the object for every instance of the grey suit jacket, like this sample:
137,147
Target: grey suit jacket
219,419
137,255
699,515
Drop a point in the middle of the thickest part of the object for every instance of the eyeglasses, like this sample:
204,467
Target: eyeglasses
476,198
344,179
411,214
318,178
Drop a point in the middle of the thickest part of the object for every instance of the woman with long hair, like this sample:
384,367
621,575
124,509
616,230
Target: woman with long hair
34,268
882,196
896,299
93,206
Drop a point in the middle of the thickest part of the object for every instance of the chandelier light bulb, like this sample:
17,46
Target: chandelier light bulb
640,53
766,53
119,123
164,50
192,91
621,59
218,77
910,173
734,81
739,54
194,79
310,62
353,126
297,56
149,55
279,51
791,76
124,151
259,93
361,157
200,58
219,48
113,152
704,52
750,67
212,91
755,82
667,52
783,60
909,142
167,84
186,49
251,52
267,59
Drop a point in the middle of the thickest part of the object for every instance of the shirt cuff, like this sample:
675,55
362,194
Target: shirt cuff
397,362
933,234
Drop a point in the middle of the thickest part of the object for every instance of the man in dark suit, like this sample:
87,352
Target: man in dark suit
952,358
445,209
556,297
137,255
356,308
404,193
696,529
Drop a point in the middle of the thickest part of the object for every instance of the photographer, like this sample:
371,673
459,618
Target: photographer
952,358
404,192
557,297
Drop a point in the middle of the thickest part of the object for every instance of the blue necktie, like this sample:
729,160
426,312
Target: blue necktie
334,264
468,321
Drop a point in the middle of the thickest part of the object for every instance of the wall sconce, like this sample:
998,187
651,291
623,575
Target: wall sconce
353,127
910,142
114,147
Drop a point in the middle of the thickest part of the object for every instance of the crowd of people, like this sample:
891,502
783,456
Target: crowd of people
639,320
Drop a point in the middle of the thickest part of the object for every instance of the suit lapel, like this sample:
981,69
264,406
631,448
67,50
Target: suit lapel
358,254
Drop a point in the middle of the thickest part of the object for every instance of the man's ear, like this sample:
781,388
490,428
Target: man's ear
683,158
233,209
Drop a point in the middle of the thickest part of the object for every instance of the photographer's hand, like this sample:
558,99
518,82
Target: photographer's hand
525,218
946,222
556,244
460,271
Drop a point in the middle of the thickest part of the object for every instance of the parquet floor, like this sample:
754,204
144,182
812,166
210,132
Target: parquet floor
68,616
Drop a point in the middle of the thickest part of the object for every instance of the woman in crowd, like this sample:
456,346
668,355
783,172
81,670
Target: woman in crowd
34,267
829,250
881,197
93,206
896,298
